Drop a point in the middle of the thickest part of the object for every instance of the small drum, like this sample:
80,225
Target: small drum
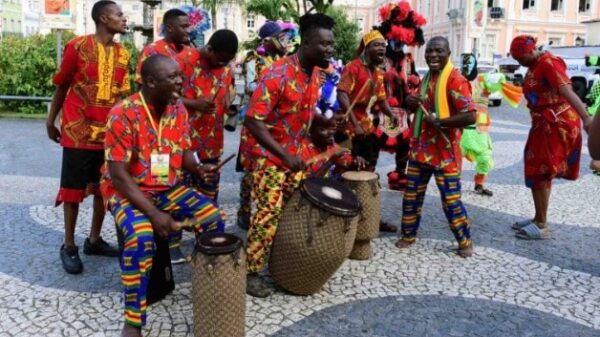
386,124
366,186
219,286
315,235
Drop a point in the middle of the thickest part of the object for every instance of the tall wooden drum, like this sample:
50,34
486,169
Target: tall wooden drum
315,235
219,286
366,186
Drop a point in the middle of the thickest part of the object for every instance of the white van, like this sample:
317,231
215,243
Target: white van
582,77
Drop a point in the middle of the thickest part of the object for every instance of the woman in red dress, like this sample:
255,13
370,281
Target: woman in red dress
553,148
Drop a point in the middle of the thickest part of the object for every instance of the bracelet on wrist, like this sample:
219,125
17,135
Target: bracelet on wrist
197,160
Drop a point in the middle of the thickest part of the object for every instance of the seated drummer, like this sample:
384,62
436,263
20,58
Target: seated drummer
146,149
325,154
279,115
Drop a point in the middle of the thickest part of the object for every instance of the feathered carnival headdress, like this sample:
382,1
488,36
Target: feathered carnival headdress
402,24
199,20
290,28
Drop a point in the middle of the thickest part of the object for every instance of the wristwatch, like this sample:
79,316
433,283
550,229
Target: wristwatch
437,123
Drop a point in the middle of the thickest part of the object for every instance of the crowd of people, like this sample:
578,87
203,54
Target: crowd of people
151,156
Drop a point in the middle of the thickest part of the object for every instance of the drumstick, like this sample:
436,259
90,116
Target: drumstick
325,155
225,161
360,93
426,112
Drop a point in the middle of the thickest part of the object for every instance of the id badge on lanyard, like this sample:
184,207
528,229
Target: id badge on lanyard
159,162
159,168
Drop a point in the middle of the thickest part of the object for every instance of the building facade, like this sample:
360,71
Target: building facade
30,17
485,27
555,22
11,17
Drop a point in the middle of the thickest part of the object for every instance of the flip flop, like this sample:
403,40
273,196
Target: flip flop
520,224
533,232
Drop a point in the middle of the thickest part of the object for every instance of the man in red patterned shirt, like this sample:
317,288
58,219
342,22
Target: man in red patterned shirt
208,98
92,77
444,107
279,116
362,83
147,147
175,45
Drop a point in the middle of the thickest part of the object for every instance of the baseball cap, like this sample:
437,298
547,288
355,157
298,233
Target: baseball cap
269,28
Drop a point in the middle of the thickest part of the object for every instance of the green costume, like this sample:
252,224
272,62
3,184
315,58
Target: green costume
476,143
594,96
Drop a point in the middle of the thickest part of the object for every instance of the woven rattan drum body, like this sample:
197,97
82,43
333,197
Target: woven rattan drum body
315,235
366,186
219,286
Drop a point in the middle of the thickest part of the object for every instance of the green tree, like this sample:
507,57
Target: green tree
133,54
345,33
26,69
273,9
27,66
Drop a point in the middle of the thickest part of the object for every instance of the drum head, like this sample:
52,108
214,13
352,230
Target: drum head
218,243
359,176
330,195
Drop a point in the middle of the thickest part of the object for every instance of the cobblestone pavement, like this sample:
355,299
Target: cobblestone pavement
509,288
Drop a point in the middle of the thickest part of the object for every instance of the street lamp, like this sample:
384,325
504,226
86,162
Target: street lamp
147,26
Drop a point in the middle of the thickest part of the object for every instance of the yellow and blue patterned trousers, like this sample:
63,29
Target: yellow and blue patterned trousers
182,203
272,187
414,196
209,190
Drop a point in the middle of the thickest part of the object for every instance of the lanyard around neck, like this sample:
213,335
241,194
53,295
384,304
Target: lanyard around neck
151,118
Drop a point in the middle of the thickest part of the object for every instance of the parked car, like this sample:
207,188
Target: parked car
494,75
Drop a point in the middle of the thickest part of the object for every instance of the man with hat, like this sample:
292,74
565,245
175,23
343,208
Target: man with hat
274,46
362,84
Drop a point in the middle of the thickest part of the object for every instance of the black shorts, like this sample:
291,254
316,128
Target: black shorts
80,168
